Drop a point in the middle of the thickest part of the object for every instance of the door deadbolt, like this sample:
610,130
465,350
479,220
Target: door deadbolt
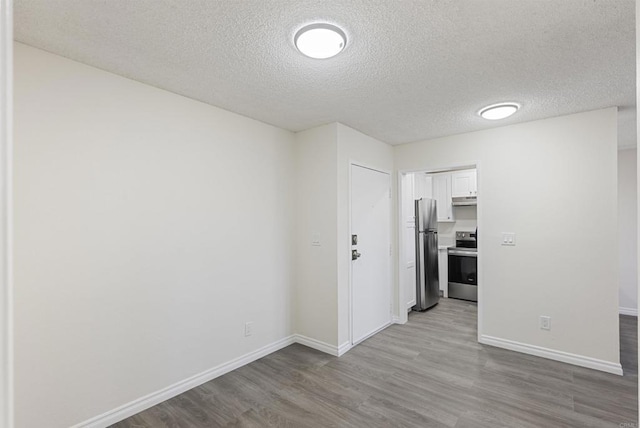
354,239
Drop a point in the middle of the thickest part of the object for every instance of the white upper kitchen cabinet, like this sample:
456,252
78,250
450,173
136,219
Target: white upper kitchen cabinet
422,187
464,183
442,195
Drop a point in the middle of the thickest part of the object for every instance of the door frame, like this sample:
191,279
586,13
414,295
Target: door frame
353,163
402,255
6,227
403,316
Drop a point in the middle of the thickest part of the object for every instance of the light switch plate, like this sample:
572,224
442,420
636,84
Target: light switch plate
509,239
545,322
315,239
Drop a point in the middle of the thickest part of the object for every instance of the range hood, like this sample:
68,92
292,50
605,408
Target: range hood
462,201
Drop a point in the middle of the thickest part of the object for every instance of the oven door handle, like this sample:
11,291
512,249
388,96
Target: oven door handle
463,253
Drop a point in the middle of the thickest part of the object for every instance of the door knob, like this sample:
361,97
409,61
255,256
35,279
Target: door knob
355,255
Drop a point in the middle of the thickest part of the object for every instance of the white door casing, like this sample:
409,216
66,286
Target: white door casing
371,289
6,159
408,261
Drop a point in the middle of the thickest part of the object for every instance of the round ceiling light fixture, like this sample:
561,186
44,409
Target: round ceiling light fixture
320,40
499,111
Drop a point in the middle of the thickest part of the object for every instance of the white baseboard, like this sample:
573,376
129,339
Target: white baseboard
336,351
374,332
317,344
552,354
150,400
629,311
136,406
342,349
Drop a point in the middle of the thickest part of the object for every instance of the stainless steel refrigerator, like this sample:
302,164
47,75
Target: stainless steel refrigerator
427,283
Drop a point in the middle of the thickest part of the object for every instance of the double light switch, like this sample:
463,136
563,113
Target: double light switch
509,239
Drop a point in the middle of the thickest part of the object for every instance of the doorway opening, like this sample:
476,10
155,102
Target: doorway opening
455,272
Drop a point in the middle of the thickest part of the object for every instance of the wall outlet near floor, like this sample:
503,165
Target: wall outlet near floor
545,322
248,328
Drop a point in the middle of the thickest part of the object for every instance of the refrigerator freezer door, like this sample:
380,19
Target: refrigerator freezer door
426,214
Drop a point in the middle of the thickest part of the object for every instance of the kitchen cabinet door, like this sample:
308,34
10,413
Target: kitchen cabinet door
442,195
464,183
423,187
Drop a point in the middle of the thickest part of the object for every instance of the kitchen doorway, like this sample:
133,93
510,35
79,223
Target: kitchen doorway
456,192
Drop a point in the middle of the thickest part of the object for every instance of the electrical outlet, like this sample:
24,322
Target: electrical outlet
545,322
248,328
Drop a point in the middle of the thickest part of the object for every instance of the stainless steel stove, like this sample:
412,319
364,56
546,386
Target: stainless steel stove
463,267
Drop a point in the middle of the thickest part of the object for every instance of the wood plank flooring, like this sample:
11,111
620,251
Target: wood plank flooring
430,372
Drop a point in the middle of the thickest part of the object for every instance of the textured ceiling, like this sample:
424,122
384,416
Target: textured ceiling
411,70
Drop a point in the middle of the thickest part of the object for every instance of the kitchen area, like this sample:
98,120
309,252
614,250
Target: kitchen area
439,229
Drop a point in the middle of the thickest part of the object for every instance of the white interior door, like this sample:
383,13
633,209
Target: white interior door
371,272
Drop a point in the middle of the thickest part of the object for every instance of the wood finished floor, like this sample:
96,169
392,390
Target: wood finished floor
430,372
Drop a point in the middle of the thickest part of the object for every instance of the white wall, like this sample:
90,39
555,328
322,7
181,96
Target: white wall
323,157
551,182
6,245
627,231
146,222
149,227
354,146
315,301
636,141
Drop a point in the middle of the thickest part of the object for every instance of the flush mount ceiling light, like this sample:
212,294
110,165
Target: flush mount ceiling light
320,40
499,111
